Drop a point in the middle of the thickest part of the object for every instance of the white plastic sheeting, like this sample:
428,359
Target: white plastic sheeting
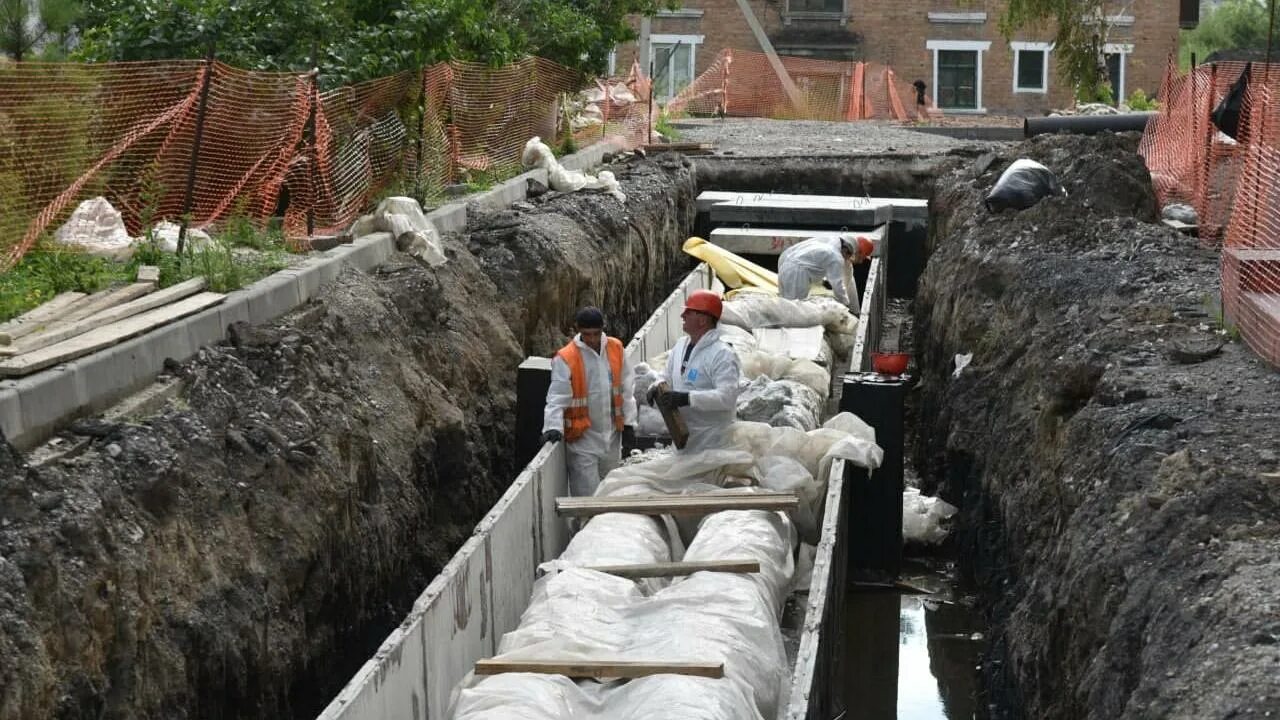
780,403
924,519
538,155
758,310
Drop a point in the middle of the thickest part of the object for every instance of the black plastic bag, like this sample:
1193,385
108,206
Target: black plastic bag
1227,115
1021,185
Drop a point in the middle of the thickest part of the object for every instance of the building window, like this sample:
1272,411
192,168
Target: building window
957,74
830,7
1115,54
1030,67
673,58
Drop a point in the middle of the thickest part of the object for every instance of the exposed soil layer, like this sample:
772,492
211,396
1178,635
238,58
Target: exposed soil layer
242,552
1117,475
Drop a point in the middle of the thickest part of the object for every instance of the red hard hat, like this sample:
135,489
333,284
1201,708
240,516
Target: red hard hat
705,301
865,246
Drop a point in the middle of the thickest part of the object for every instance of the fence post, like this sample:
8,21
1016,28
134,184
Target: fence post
422,124
188,200
313,100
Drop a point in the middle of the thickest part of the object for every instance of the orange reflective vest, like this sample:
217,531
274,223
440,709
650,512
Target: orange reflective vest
577,417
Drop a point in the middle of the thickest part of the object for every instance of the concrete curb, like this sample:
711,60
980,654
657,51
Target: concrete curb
33,408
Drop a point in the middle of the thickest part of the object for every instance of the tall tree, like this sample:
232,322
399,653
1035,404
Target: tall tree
1233,25
26,25
1080,35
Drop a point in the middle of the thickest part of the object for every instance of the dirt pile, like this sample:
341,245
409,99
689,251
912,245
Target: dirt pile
241,553
1117,472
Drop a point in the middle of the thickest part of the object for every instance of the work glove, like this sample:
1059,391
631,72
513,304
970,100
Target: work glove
552,436
673,400
652,396
628,437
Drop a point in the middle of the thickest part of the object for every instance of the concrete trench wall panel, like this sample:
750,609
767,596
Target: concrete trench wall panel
11,410
51,395
462,615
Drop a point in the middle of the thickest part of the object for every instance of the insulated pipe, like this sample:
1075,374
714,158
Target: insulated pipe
1085,124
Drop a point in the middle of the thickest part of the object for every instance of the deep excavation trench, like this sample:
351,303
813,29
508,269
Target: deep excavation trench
1120,505
242,552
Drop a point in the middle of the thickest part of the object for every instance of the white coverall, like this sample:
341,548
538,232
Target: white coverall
592,456
711,377
811,261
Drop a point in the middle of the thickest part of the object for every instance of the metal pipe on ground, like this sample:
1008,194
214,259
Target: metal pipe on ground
1085,124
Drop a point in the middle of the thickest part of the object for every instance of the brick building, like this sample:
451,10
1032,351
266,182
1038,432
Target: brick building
955,47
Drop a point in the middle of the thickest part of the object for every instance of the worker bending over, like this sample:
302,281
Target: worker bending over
702,374
589,404
815,259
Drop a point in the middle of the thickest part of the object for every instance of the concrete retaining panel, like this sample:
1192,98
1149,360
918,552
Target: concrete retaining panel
10,410
462,615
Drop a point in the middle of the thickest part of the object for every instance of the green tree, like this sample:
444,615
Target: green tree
1233,25
354,40
1080,34
26,26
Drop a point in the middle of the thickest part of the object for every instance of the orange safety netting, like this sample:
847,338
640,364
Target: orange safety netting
269,143
747,84
1251,246
1233,183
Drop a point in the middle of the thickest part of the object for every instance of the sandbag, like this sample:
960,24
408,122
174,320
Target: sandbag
780,403
924,519
537,155
759,310
1023,184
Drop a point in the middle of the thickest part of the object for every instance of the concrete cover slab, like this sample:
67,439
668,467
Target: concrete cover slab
772,213
903,208
772,241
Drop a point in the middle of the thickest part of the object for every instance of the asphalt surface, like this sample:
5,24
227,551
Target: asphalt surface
755,137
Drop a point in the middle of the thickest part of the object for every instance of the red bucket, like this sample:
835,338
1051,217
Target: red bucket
887,363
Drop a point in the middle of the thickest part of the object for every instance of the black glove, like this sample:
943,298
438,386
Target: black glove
673,400
652,396
628,437
552,436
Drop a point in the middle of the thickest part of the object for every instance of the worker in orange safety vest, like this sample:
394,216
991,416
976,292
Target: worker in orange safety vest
590,404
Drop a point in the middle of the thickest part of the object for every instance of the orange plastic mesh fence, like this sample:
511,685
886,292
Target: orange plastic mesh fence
1190,161
270,143
1251,247
746,84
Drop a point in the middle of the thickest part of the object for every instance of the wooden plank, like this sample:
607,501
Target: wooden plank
32,320
599,669
105,336
672,569
100,301
57,332
699,504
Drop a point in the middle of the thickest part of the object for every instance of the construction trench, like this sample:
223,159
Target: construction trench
243,550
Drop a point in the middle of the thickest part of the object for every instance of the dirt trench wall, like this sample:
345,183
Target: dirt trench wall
1119,492
241,553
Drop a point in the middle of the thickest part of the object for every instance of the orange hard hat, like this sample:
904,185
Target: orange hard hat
705,301
865,247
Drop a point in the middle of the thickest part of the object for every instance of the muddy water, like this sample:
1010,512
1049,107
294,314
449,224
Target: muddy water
914,656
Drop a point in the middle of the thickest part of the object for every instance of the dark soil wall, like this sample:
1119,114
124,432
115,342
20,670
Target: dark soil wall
241,553
1120,496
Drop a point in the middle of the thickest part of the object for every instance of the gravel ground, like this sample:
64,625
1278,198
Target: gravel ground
750,137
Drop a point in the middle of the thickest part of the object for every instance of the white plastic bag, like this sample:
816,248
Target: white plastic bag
537,155
924,518
1023,184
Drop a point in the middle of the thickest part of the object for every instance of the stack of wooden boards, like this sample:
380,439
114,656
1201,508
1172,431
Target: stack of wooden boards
74,324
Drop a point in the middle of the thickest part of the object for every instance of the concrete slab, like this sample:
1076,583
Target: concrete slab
449,218
511,191
272,297
205,328
773,213
48,398
310,276
903,208
370,251
772,241
10,410
234,308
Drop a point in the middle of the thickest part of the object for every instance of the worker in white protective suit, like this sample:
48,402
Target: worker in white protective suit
702,376
587,403
819,258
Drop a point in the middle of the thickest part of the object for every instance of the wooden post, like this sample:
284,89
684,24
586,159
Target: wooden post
188,198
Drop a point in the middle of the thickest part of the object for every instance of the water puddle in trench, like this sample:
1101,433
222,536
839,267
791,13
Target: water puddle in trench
914,656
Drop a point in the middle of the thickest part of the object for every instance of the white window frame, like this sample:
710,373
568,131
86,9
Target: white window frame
981,46
1124,50
842,13
958,18
1020,47
693,41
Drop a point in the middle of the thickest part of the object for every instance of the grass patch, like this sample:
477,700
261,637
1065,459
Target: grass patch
665,128
238,255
